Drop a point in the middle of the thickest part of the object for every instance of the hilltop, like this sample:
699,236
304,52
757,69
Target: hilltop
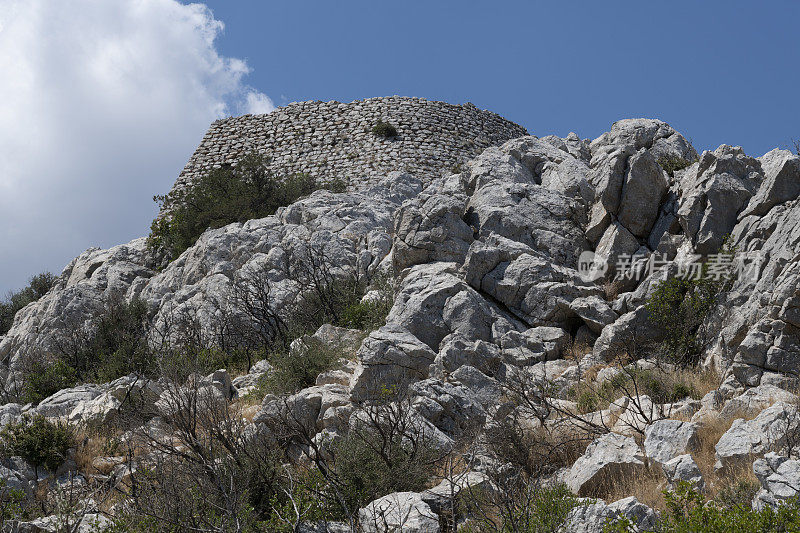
483,329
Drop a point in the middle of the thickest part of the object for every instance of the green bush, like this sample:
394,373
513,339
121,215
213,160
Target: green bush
11,504
673,164
38,441
370,464
299,368
118,346
223,196
114,345
43,380
384,129
680,305
37,287
534,510
689,512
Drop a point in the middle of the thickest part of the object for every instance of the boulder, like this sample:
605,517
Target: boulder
62,403
592,516
400,511
452,408
713,192
779,477
607,459
390,356
667,439
431,227
747,439
781,182
683,468
753,401
594,311
642,191
615,244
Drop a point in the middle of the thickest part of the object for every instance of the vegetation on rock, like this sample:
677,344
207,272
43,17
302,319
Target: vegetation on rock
16,300
225,195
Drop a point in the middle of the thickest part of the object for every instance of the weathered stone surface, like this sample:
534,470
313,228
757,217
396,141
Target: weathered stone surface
666,439
431,227
535,290
713,192
610,456
779,477
746,439
400,511
615,243
644,186
391,355
683,468
781,182
64,401
592,516
752,401
594,311
452,408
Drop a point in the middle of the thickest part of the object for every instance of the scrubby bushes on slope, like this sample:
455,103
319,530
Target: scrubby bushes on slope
14,301
223,196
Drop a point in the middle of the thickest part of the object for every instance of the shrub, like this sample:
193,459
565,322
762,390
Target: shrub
370,315
539,510
388,451
680,306
687,511
673,164
223,196
384,129
38,441
297,369
43,380
112,344
37,287
11,501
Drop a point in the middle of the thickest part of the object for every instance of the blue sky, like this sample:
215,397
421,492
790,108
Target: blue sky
103,101
720,72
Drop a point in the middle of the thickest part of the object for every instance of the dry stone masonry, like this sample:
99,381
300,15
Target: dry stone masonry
332,140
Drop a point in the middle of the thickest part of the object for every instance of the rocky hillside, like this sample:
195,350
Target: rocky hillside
564,335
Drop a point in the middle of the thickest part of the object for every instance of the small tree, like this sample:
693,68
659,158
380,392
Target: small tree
38,441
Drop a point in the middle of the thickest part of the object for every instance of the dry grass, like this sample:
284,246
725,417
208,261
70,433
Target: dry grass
91,445
576,351
647,485
611,290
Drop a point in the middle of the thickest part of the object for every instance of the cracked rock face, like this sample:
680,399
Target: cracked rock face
486,265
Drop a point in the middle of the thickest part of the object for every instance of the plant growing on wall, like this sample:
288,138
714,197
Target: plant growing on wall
385,130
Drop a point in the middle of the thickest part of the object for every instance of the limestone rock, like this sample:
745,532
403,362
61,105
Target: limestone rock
667,439
746,439
644,186
683,468
400,511
779,477
592,516
610,456
781,182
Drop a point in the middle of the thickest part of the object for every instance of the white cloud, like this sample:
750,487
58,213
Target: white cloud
101,104
258,103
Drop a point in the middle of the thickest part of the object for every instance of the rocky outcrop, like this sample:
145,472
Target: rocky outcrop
610,456
779,477
747,439
594,515
666,439
509,269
